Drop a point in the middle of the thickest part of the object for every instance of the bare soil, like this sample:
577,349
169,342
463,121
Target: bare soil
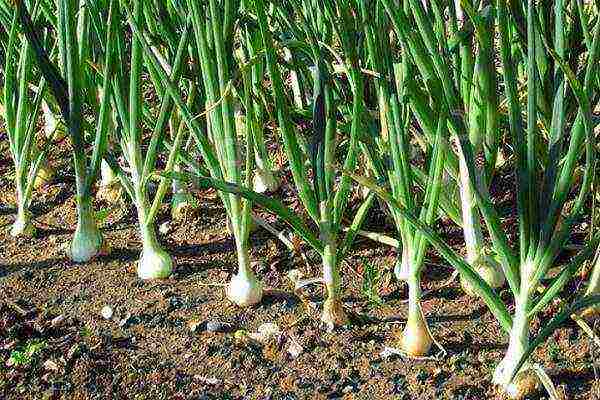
148,351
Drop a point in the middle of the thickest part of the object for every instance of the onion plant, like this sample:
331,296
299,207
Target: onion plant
20,114
126,88
467,77
65,83
212,29
265,176
323,200
479,88
543,185
401,173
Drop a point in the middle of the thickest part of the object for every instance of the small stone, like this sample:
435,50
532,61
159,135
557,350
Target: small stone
125,320
107,312
164,228
57,321
294,276
65,247
50,365
73,351
217,327
348,389
295,349
194,324
207,381
388,352
267,332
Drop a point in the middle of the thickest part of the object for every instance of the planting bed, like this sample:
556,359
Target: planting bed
157,344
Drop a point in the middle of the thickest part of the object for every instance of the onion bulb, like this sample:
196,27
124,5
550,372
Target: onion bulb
87,240
490,271
182,205
22,227
416,341
334,313
45,174
154,262
265,181
244,290
109,188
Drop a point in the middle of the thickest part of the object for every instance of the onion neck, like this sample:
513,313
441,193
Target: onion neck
177,186
470,216
87,240
402,269
592,313
182,201
243,256
517,343
109,187
333,310
50,121
489,270
594,286
107,175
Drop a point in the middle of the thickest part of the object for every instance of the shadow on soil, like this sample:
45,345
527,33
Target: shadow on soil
30,267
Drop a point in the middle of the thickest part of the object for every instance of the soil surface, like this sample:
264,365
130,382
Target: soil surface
56,344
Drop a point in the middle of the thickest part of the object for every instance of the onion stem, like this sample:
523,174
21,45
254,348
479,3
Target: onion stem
333,310
525,380
476,256
22,227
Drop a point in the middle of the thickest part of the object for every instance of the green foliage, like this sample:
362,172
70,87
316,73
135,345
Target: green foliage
371,283
27,354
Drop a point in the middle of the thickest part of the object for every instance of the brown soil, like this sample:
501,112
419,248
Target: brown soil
153,353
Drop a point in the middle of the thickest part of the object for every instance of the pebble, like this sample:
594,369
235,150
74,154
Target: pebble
207,381
267,332
217,326
194,324
57,321
50,365
388,352
295,349
348,389
294,275
164,228
125,320
107,312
